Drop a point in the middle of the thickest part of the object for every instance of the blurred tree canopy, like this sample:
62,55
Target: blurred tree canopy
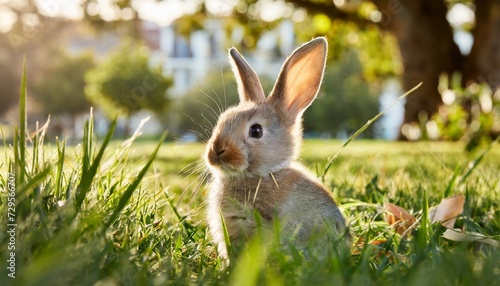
40,35
478,126
9,85
344,103
61,90
125,83
424,36
31,39
422,31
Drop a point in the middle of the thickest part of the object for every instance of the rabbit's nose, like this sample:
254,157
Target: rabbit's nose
219,147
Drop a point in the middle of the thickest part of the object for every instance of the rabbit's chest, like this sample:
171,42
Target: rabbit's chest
241,200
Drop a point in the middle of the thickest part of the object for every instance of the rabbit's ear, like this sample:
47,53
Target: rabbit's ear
249,86
300,78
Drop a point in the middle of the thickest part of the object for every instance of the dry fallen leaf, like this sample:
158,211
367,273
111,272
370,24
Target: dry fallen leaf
398,217
360,243
378,250
458,235
447,211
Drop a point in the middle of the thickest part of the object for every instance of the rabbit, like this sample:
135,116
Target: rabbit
252,155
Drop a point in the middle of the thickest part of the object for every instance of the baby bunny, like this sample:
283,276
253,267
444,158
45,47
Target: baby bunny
253,152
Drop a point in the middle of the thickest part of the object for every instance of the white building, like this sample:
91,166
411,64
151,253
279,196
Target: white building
189,60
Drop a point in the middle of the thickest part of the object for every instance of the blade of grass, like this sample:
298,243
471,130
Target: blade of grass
188,228
23,207
89,139
37,139
473,164
15,166
131,188
424,222
88,173
451,184
21,140
227,240
172,206
35,158
61,149
250,263
86,149
363,128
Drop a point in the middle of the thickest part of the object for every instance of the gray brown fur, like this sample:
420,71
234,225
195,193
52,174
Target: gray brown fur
262,173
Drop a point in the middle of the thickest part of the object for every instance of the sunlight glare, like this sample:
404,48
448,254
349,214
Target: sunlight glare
459,15
164,12
220,8
7,19
70,9
272,10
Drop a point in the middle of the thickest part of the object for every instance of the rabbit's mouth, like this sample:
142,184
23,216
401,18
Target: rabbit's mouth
231,171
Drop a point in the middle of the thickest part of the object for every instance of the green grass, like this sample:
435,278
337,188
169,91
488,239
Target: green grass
122,213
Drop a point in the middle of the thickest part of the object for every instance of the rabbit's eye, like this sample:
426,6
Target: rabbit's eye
256,131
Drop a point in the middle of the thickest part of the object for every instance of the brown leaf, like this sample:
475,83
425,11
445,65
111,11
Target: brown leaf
447,211
360,243
377,250
398,217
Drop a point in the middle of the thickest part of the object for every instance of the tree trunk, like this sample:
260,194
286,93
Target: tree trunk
427,48
483,62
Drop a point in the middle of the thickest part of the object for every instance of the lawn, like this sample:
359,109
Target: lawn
108,212
147,228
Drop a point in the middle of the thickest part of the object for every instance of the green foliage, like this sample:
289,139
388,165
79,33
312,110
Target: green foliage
345,102
377,51
61,89
470,114
125,83
55,221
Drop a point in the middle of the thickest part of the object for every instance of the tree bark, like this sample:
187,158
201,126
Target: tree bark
483,62
427,49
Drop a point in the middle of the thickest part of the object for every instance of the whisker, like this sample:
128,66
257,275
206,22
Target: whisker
219,107
202,131
195,187
211,125
202,180
198,169
204,137
219,104
189,168
214,113
223,87
194,168
202,127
